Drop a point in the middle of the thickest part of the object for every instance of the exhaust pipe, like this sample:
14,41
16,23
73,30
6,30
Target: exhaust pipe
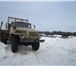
1,25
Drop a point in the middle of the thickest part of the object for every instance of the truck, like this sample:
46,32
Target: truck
20,32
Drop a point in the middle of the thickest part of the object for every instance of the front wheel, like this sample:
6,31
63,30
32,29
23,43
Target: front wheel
35,46
14,44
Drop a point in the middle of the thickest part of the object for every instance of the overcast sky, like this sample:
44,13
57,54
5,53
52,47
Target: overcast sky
47,16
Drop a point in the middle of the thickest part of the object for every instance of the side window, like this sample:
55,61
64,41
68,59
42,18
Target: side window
27,25
30,26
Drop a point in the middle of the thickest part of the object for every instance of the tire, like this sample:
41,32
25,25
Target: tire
35,46
14,44
4,37
4,40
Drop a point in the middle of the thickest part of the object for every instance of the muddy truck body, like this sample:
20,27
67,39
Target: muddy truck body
19,32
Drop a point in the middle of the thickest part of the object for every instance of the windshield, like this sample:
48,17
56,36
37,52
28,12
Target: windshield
21,24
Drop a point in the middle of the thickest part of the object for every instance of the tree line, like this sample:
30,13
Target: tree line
64,34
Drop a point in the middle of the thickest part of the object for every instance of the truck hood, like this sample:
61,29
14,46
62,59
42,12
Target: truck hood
26,29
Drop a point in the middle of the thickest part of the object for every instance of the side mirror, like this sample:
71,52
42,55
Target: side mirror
34,26
1,24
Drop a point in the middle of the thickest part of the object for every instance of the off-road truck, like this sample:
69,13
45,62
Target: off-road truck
19,31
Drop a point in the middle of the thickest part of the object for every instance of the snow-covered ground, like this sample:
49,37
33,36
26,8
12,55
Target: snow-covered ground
54,51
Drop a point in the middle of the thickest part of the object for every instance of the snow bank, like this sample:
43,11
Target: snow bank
2,50
54,51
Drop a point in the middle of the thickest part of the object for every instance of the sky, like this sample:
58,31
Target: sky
46,16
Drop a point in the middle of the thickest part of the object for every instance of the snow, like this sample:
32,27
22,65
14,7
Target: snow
54,51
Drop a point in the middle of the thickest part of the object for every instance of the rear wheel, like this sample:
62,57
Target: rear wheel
35,46
4,37
4,40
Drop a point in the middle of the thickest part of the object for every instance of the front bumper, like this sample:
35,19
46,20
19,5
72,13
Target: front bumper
40,40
